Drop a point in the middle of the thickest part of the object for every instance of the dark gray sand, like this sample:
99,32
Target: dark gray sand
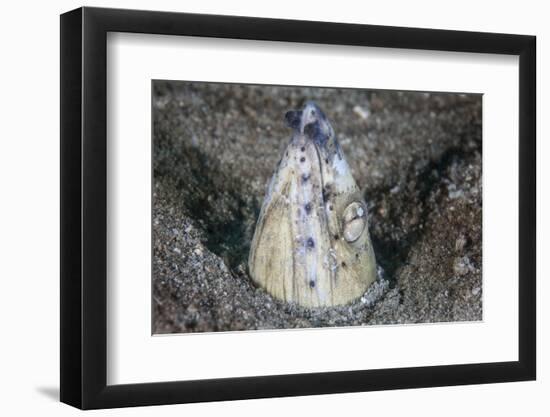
416,156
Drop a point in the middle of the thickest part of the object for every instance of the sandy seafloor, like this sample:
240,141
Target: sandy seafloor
417,156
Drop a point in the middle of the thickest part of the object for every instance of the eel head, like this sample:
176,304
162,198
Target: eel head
311,244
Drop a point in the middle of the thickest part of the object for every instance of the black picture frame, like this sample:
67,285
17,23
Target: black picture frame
84,207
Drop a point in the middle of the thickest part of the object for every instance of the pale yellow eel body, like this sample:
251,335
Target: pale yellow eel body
311,245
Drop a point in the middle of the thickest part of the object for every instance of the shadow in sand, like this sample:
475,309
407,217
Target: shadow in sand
213,198
391,237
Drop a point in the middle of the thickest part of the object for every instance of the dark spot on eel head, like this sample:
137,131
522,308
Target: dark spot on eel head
302,159
310,243
312,284
326,192
305,177
343,264
357,255
330,208
308,208
313,130
293,119
303,148
326,160
336,237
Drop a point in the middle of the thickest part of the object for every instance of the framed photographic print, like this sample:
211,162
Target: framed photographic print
257,207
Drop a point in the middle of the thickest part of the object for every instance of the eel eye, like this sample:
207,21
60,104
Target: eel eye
354,221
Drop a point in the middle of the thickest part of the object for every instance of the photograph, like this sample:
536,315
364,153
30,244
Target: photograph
264,206
296,207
